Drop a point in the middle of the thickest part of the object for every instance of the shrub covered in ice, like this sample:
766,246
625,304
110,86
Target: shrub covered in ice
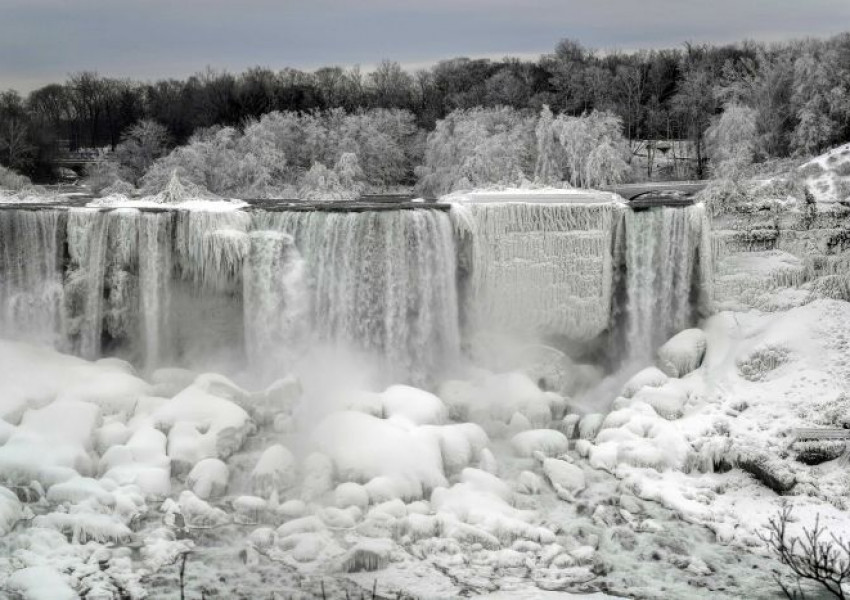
761,361
208,478
819,451
368,555
84,524
682,353
548,441
275,471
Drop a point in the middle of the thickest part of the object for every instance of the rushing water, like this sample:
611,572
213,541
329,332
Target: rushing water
173,286
667,274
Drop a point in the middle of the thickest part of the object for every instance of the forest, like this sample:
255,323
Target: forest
462,122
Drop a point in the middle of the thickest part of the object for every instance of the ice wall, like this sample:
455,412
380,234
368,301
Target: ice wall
539,269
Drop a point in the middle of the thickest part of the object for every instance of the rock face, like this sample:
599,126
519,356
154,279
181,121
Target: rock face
777,253
682,353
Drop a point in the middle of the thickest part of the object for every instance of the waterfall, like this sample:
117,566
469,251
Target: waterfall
155,273
208,289
382,282
31,269
667,281
275,300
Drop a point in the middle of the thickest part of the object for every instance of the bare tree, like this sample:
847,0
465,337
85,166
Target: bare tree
813,557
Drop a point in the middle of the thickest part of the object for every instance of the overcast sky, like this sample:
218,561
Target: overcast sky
41,41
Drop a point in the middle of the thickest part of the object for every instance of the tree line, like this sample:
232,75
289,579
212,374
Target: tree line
798,92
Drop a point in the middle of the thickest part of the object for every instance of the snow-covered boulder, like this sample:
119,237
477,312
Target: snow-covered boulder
363,447
548,441
418,406
351,494
142,461
567,479
201,424
11,510
682,353
52,444
648,377
40,583
208,479
275,471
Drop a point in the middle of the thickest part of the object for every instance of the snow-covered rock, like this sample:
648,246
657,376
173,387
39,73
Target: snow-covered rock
208,479
548,441
682,353
275,471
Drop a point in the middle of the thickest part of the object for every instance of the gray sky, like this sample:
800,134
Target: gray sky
41,41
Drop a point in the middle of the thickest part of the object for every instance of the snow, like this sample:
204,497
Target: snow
40,583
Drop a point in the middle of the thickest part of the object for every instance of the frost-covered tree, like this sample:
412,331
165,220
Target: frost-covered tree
594,148
214,159
323,185
140,146
478,148
349,173
732,139
547,169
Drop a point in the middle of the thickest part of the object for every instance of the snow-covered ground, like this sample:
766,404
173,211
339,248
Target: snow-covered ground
488,487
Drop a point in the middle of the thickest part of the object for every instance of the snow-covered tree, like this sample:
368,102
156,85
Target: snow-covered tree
477,148
732,139
547,169
140,146
323,185
594,148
